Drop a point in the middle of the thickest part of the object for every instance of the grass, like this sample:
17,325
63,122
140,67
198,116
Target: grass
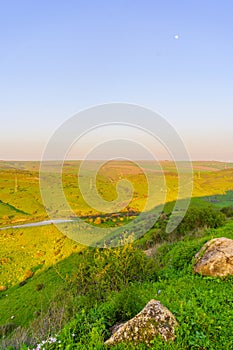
94,302
27,248
202,305
56,287
222,200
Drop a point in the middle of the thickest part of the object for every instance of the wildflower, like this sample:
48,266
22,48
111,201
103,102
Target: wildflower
52,340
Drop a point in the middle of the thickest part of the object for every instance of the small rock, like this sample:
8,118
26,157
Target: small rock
149,252
153,320
215,258
3,288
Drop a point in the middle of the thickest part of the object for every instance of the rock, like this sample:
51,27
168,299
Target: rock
115,328
153,320
3,288
149,252
215,258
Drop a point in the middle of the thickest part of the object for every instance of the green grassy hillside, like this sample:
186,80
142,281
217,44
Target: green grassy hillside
100,290
53,286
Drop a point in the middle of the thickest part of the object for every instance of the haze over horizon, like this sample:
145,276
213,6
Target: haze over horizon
174,57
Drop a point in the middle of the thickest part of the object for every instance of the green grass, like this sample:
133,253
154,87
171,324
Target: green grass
31,248
202,305
26,301
83,292
220,201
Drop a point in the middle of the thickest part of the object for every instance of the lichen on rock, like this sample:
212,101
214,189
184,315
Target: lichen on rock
155,319
215,258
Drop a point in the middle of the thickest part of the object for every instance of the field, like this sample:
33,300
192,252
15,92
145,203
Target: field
20,198
39,265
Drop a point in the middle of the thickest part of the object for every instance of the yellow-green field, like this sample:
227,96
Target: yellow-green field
20,198
37,263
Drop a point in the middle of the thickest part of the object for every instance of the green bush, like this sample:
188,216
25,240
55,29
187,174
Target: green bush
195,219
112,269
179,255
228,211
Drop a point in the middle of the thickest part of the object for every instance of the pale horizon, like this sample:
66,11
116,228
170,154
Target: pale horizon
174,58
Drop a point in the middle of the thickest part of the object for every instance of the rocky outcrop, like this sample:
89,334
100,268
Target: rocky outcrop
215,258
153,320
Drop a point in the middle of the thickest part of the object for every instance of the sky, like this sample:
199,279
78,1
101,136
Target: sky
60,57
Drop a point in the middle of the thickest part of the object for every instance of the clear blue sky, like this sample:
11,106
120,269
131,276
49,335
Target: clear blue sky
58,57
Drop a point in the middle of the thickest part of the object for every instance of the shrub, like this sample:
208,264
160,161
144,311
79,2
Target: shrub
194,220
228,211
111,269
179,255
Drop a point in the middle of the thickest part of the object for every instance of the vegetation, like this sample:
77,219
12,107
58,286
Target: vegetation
66,296
110,286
